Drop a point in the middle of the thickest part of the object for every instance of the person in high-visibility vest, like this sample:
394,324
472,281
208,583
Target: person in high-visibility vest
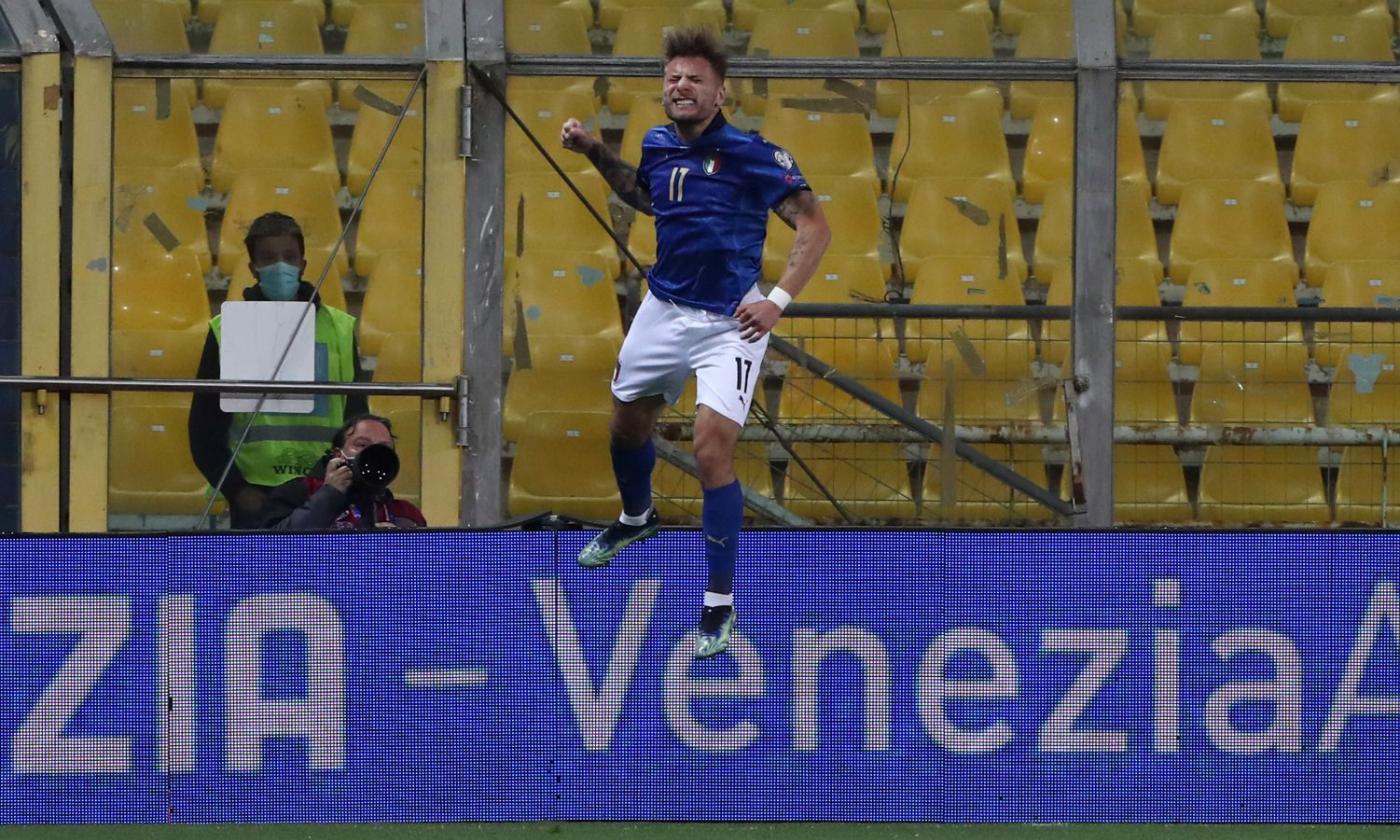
277,447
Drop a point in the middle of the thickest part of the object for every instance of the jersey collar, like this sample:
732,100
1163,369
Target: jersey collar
716,125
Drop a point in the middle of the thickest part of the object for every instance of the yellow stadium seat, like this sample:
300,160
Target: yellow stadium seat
541,213
530,391
372,128
870,480
1054,234
1368,487
750,14
1148,15
1277,484
641,241
585,489
810,399
575,354
153,127
1203,37
301,195
1231,282
1214,140
646,113
1344,141
150,470
841,279
153,206
545,112
386,29
879,12
962,217
611,13
549,30
932,33
1250,372
343,11
1014,14
791,32
1362,355
1142,387
582,8
160,316
1140,344
567,294
391,219
266,129
949,138
400,360
149,27
1281,15
1148,486
1050,148
1363,283
256,27
1228,220
1352,220
1049,35
962,281
393,302
825,144
639,34
677,494
980,497
853,215
993,380
209,10
1359,38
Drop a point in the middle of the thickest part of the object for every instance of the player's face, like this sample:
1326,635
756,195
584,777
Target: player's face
693,91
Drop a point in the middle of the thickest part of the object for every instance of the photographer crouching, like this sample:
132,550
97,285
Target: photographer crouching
348,488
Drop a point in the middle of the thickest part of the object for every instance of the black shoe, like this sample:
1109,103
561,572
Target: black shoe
614,538
716,624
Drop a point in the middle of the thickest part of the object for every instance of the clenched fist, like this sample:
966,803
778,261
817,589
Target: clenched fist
576,138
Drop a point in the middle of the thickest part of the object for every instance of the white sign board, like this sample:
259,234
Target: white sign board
254,336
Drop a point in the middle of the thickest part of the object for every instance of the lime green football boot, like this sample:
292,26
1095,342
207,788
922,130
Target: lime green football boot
613,539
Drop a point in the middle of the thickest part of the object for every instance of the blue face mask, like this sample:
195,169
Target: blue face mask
279,281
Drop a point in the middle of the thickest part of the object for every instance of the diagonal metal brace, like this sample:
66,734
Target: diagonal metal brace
984,462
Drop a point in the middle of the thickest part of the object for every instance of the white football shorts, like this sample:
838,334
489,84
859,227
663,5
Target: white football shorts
668,342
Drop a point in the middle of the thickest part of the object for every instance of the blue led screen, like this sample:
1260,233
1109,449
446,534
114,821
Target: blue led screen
878,675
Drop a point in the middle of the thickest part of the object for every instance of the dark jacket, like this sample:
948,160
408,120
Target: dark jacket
310,504
209,425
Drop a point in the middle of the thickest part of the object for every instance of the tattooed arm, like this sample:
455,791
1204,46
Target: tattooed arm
801,212
619,174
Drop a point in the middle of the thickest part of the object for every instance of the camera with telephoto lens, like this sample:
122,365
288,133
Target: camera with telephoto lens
375,466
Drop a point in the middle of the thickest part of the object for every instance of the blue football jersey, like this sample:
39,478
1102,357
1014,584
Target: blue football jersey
711,200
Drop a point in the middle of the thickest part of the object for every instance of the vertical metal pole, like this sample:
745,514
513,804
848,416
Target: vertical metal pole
444,275
482,361
40,232
1095,217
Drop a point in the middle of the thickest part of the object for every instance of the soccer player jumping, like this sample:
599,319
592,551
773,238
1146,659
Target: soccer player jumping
710,187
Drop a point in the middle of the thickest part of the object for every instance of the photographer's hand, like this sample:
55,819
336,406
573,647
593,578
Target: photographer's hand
339,474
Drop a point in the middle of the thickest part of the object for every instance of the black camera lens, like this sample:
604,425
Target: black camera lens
375,466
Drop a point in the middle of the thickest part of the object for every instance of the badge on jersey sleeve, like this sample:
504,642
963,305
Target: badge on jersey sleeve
711,163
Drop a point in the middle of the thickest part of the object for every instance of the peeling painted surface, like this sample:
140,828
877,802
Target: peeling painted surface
978,215
99,264
1366,367
52,98
589,275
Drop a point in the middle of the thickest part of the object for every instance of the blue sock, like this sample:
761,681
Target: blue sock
632,466
722,517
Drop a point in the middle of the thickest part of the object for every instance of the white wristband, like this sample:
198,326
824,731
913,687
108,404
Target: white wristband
780,297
